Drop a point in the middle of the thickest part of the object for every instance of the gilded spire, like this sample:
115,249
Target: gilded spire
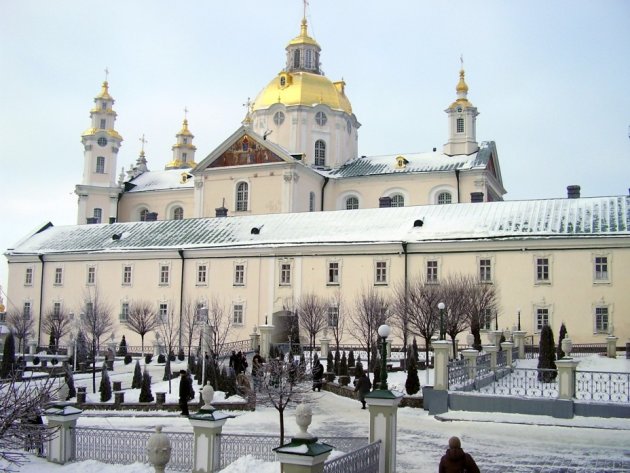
104,92
462,88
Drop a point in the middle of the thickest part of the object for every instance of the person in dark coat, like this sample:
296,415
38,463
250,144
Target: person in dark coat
455,460
363,387
318,373
186,392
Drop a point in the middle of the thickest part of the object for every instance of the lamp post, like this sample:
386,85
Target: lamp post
203,315
496,321
518,315
75,336
441,307
383,332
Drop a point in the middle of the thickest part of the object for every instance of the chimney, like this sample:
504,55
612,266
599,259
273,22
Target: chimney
112,220
434,150
476,197
151,217
220,212
573,192
384,202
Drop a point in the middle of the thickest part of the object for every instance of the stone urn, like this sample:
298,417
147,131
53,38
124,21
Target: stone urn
159,450
567,346
207,394
303,418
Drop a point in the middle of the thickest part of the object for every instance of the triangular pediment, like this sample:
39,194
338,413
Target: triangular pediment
244,148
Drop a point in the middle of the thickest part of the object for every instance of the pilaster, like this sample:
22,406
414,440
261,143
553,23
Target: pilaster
265,339
383,406
566,377
61,447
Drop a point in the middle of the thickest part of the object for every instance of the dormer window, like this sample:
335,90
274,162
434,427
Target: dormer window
401,162
283,81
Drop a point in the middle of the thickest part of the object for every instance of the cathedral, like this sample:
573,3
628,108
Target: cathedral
296,151
285,206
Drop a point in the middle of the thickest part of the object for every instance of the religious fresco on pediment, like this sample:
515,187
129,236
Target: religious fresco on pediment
245,151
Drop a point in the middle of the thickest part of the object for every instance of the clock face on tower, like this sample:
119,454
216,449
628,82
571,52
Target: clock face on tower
102,141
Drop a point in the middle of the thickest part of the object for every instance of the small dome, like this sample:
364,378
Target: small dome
462,87
304,88
303,37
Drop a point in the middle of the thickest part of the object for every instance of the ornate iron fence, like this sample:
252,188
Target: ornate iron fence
484,365
585,349
363,460
458,373
501,358
602,386
129,446
526,382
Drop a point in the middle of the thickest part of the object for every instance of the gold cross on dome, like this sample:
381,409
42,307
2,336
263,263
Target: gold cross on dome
106,74
461,61
305,5
185,113
143,141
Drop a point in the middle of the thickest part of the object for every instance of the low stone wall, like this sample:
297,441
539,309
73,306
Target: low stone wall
347,391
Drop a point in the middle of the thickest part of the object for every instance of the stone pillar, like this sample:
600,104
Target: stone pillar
441,349
207,425
303,454
507,348
32,347
119,398
383,406
160,399
61,448
265,339
519,341
325,346
611,346
566,377
470,355
456,343
493,350
116,385
497,338
254,341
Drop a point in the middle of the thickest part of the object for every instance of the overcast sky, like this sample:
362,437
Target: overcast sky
549,78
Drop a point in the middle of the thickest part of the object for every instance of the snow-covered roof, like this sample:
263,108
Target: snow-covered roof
161,180
415,163
532,219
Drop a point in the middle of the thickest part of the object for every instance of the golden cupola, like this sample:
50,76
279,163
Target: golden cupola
462,92
302,82
183,149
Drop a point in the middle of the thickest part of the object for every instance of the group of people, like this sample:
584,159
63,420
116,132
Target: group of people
238,362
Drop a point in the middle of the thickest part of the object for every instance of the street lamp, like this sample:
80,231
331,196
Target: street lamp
496,320
383,332
441,307
518,314
203,315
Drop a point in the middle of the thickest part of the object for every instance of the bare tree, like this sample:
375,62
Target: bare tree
481,304
20,402
141,319
282,383
168,330
96,319
311,310
337,319
57,324
371,311
423,311
455,297
21,325
191,323
220,320
400,313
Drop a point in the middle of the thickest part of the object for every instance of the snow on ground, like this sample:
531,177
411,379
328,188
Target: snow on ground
499,442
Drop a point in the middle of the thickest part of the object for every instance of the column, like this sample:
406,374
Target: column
507,348
383,406
61,448
324,344
441,349
265,339
566,377
497,337
470,355
493,350
519,341
254,340
611,346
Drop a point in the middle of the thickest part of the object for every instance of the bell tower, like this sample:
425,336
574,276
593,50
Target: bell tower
183,149
462,122
98,191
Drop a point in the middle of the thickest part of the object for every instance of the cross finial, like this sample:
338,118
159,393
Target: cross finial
461,61
143,141
305,5
185,113
248,104
106,74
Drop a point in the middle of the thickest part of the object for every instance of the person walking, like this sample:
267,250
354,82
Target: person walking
257,367
186,392
318,373
455,460
363,387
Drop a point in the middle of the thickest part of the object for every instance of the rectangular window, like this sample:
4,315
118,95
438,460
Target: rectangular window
27,310
542,318
485,322
126,276
601,319
485,270
100,165
285,274
202,274
239,274
201,313
124,311
460,125
601,268
333,316
56,310
542,269
28,277
380,275
89,308
163,311
58,276
432,272
333,273
237,314
102,123
164,274
91,275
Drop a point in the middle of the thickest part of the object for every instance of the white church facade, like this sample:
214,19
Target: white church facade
286,206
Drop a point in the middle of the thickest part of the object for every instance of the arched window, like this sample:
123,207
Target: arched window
352,203
178,213
242,196
398,200
98,215
460,125
143,215
100,165
311,202
321,118
308,59
320,153
296,58
444,198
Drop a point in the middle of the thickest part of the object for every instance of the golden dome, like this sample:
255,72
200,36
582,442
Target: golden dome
104,92
303,37
462,87
462,91
303,88
177,164
185,131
